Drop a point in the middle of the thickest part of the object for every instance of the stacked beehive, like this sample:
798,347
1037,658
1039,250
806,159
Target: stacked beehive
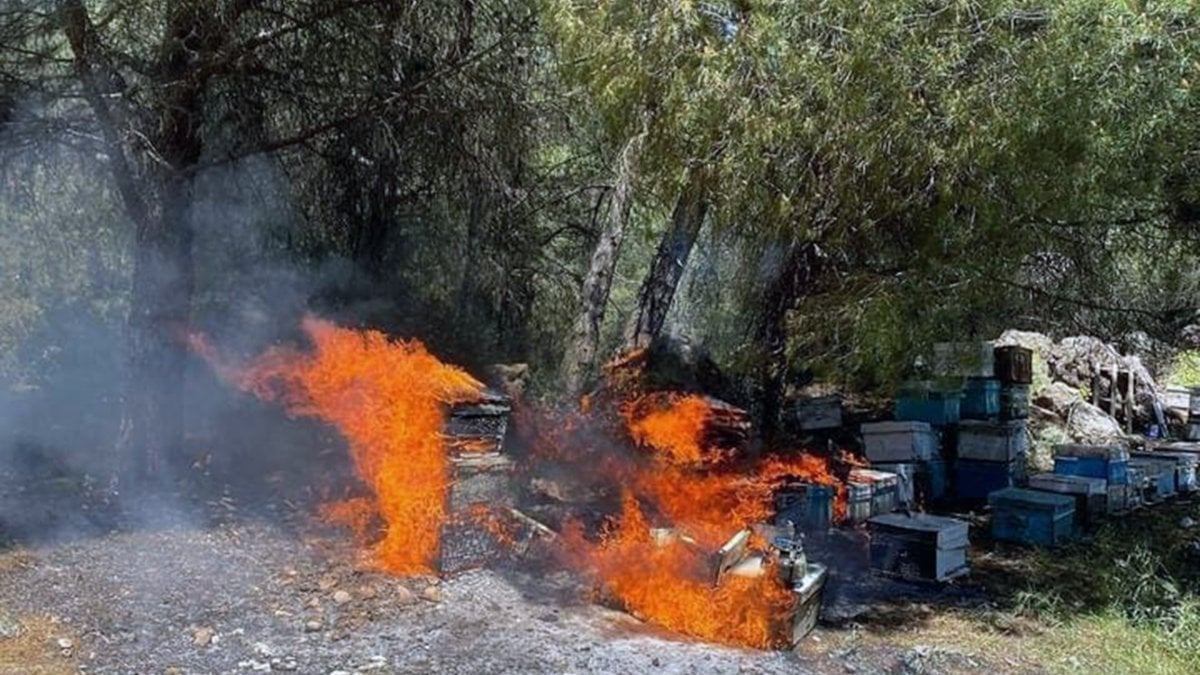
481,483
910,451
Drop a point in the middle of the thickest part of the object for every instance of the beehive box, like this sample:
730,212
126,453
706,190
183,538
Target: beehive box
1109,462
1185,467
899,441
885,489
819,413
981,398
964,359
974,480
1161,476
992,441
921,483
808,507
1014,402
1090,494
932,406
1014,365
918,546
1032,517
859,502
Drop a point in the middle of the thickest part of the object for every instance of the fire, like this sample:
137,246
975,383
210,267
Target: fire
671,424
672,585
387,399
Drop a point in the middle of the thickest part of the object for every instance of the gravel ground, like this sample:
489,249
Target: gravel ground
255,596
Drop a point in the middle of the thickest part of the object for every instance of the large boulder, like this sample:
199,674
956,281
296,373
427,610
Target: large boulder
1088,424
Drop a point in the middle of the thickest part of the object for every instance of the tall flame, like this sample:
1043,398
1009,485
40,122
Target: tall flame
387,399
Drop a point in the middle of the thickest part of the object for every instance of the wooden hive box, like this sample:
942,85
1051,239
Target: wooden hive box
918,546
1032,517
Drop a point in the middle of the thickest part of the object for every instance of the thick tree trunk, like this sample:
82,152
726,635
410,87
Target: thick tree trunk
794,279
160,305
580,357
158,199
658,289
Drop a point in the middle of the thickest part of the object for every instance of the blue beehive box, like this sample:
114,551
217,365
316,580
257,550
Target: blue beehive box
928,405
981,398
974,480
1110,462
1032,517
809,507
1114,471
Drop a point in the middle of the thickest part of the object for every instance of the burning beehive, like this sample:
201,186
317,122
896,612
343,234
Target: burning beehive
481,490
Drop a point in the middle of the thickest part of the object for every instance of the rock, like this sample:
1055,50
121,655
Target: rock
1058,398
9,627
286,664
1088,424
64,643
368,592
342,597
327,583
312,626
432,594
403,596
263,649
202,637
314,603
1187,523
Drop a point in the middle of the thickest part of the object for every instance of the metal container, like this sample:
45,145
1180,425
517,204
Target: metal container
918,546
885,489
1014,365
1032,517
992,441
809,590
1091,494
964,359
981,398
974,480
1014,402
859,502
899,441
819,413
808,507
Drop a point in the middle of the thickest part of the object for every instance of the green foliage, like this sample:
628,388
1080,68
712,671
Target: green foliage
1185,370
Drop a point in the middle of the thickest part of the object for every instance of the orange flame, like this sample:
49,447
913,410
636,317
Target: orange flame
671,424
672,586
386,397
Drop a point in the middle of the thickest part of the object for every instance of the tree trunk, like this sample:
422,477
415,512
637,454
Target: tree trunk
580,357
160,306
658,289
794,279
158,199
